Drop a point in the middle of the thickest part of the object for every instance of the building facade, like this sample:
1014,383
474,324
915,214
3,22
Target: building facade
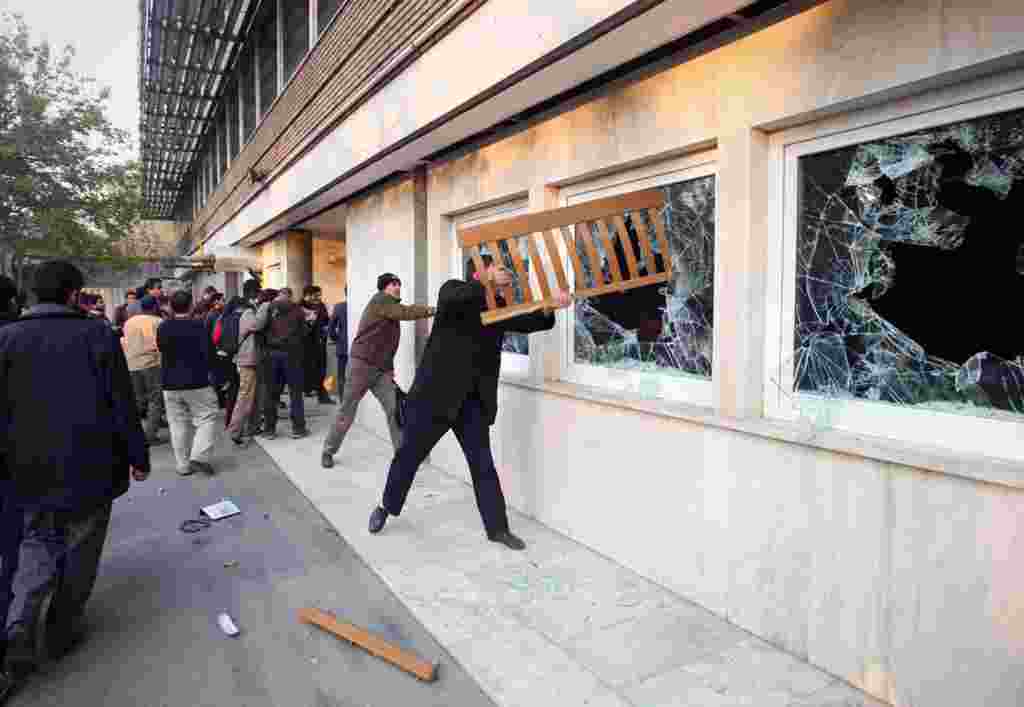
814,428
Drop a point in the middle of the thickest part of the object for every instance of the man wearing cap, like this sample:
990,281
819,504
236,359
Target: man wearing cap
371,363
143,356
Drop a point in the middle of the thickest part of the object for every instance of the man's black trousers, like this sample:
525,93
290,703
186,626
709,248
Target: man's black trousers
422,431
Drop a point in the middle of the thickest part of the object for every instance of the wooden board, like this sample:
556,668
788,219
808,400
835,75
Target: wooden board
371,643
567,216
582,226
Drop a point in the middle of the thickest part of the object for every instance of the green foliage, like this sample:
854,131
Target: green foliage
64,189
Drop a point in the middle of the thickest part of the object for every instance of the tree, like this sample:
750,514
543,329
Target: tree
64,190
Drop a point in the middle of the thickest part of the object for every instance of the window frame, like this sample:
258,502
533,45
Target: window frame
935,429
681,388
513,365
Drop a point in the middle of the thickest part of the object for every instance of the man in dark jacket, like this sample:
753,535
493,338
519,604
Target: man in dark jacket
70,437
456,388
337,331
315,348
285,339
10,521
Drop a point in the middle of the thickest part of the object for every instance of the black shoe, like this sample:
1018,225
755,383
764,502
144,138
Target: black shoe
509,540
377,520
299,434
326,400
270,434
240,442
326,460
8,685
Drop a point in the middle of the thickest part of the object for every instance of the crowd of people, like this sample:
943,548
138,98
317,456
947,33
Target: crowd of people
83,399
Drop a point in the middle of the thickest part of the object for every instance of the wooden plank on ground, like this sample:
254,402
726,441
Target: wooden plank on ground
371,643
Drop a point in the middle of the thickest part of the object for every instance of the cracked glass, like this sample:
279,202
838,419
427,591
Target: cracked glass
667,327
909,270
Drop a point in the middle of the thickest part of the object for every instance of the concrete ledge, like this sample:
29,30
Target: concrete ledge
992,470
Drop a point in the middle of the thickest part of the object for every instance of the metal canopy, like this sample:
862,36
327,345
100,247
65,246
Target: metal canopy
187,51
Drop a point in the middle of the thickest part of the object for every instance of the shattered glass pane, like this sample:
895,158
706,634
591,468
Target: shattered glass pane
513,343
909,269
664,327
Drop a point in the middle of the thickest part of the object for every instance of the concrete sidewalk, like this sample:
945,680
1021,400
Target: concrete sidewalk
556,624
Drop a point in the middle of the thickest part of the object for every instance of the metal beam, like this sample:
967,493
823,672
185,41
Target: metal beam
197,31
186,67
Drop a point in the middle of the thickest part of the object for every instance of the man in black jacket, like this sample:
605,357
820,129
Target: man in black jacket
456,388
10,521
70,437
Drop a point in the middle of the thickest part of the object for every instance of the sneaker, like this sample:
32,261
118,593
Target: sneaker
155,441
186,470
194,467
299,434
270,434
326,400
326,460
240,442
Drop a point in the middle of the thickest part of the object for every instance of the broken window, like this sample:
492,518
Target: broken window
908,273
664,328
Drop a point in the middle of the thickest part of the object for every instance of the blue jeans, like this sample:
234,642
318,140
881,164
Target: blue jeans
283,369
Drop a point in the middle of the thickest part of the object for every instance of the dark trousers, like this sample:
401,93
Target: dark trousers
59,560
422,432
10,544
285,368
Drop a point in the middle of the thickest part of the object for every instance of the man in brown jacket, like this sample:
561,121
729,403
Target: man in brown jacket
371,362
144,364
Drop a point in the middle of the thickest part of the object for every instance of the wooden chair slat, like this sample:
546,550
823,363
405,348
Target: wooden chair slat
644,236
524,276
609,250
659,227
584,234
556,260
627,246
538,268
574,256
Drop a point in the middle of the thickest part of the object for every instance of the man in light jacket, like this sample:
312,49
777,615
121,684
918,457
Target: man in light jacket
144,363
249,360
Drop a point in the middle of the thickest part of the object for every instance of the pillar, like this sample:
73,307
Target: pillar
740,273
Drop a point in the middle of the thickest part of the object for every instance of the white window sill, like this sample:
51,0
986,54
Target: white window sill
976,467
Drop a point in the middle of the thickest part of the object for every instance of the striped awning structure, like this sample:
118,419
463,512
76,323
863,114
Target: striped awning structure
187,50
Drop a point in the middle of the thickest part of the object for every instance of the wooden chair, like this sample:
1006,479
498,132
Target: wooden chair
577,225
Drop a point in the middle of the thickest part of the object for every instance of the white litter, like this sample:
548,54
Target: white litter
227,625
224,509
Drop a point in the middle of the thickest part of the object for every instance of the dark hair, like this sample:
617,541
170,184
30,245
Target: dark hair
209,290
129,293
310,290
284,290
149,304
471,265
181,302
140,292
250,289
152,283
386,279
55,280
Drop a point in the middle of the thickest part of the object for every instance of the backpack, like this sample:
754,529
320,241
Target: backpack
225,333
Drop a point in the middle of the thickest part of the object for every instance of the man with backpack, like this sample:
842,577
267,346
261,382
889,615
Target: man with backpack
245,342
285,339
